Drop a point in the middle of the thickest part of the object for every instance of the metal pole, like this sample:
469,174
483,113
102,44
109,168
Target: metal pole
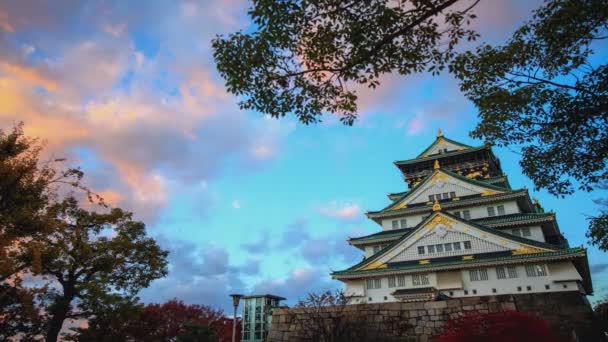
234,325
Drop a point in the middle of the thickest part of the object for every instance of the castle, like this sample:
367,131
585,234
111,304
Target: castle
461,230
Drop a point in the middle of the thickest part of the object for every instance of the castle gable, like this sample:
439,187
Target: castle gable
456,238
442,185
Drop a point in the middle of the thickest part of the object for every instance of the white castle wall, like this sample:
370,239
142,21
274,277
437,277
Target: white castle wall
563,272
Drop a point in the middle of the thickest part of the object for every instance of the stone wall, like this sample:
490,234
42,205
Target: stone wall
568,313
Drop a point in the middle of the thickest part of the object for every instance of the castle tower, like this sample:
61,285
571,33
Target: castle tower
461,230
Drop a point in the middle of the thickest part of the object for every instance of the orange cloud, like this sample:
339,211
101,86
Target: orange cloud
28,75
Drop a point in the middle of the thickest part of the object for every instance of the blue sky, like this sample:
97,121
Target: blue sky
243,202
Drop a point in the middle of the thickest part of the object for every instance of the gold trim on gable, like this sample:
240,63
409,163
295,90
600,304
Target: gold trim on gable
424,262
488,193
527,250
468,257
374,265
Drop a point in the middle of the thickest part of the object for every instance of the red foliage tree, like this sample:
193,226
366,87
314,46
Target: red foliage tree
164,322
504,326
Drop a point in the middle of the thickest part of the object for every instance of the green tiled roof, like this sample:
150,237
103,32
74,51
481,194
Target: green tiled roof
452,174
448,204
478,226
446,139
439,155
511,218
500,181
386,234
578,251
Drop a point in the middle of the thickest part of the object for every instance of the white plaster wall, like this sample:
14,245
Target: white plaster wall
480,211
536,233
484,287
477,246
444,186
561,271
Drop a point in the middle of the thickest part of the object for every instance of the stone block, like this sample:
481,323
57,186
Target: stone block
436,305
412,306
470,301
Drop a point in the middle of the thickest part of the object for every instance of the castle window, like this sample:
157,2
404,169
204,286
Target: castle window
448,247
403,223
477,275
431,198
466,292
395,224
421,250
493,290
491,211
439,248
519,288
509,272
536,270
474,291
516,232
373,283
377,249
446,195
467,244
420,279
457,213
452,194
391,281
547,287
400,280
431,249
457,246
466,214
529,288
501,209
525,231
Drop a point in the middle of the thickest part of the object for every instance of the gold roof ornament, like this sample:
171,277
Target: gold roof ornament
439,133
436,166
436,206
535,200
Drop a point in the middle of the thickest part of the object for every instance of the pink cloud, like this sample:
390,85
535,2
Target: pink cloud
344,211
149,140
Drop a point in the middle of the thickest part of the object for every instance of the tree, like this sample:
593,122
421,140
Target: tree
59,261
497,327
197,332
305,56
156,322
94,257
543,91
27,187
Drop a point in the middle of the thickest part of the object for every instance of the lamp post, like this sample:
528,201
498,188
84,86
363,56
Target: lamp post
236,298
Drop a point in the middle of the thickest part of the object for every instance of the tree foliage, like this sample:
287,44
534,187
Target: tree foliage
543,91
170,321
58,260
504,326
304,57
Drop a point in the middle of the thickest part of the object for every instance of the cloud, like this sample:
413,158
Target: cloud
298,284
199,275
236,204
341,211
152,119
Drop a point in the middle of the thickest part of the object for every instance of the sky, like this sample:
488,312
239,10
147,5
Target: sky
243,202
